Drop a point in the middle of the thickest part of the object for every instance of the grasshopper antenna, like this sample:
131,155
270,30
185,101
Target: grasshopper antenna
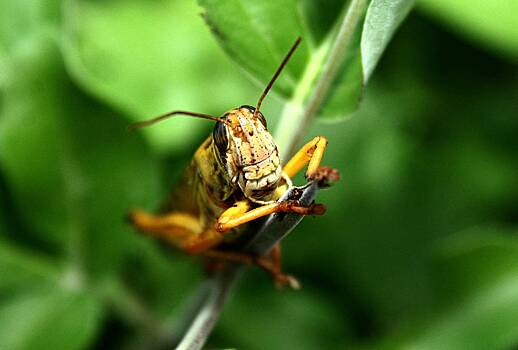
277,72
152,121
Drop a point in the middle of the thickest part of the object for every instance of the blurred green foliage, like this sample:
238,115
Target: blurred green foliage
490,23
419,247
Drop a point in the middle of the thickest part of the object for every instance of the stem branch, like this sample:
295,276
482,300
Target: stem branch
209,311
295,119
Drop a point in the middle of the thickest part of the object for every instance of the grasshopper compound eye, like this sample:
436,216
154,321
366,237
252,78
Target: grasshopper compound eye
261,117
219,135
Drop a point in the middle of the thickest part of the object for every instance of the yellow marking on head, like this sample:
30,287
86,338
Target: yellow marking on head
253,152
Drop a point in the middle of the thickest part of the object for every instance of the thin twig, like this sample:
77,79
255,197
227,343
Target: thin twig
206,317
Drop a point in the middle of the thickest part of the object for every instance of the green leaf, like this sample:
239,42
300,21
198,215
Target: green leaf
478,288
260,41
21,268
31,149
138,56
73,169
490,23
49,319
266,30
22,18
261,37
382,19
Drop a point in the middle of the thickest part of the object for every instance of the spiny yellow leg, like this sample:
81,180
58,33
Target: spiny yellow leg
173,227
312,153
184,231
180,229
236,218
238,209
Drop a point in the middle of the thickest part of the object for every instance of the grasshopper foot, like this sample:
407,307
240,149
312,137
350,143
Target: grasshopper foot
280,279
317,209
324,176
293,206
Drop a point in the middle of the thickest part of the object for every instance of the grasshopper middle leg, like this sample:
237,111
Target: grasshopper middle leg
311,154
231,219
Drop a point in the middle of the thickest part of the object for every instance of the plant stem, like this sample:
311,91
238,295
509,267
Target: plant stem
209,311
296,118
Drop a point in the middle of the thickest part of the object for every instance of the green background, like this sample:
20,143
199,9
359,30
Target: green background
418,249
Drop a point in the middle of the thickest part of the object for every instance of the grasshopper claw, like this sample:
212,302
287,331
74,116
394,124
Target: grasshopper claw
317,209
283,280
324,176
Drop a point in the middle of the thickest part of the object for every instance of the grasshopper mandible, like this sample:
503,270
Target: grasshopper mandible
235,177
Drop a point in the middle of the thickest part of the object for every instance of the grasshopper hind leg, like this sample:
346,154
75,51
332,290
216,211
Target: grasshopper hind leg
175,227
185,232
181,230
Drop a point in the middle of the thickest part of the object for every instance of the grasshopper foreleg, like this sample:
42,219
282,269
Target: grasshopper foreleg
232,218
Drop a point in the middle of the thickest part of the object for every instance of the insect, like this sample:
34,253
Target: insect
235,177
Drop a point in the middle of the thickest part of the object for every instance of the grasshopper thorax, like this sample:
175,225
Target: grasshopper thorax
248,152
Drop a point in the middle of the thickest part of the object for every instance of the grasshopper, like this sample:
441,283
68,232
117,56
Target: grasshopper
234,178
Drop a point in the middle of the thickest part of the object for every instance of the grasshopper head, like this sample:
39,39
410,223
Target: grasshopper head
247,149
243,144
249,153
